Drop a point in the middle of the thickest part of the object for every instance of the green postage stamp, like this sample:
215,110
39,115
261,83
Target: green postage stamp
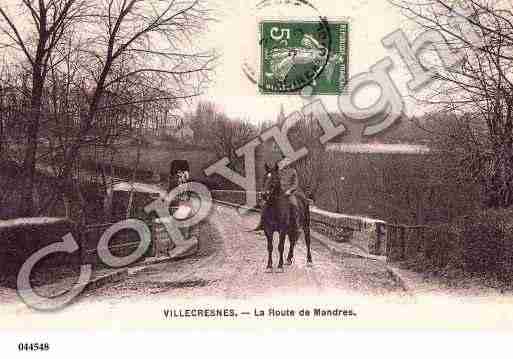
297,54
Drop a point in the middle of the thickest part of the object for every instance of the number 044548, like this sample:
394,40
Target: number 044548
31,347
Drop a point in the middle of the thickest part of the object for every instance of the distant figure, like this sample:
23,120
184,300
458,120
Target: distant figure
183,177
179,173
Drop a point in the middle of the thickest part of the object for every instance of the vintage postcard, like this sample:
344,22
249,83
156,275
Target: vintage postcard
284,164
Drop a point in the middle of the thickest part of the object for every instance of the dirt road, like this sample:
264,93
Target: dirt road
231,265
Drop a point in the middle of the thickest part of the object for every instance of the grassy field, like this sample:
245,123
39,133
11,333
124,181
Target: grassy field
158,158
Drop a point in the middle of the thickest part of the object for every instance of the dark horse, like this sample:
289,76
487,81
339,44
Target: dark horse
279,216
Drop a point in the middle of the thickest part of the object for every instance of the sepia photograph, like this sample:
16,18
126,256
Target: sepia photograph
254,165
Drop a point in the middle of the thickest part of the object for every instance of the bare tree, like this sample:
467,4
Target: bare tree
35,29
142,45
478,92
222,134
313,168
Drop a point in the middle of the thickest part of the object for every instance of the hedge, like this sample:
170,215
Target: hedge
478,243
22,237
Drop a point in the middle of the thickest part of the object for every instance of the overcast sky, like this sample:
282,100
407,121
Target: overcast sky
235,36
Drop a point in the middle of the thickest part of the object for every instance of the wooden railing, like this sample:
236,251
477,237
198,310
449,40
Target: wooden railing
397,242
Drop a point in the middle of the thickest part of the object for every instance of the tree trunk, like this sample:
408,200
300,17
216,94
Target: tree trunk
26,206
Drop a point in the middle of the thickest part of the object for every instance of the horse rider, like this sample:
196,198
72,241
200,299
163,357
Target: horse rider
289,182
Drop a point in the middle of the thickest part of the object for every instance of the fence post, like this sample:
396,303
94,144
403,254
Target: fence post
379,237
377,242
390,242
381,229
418,240
402,243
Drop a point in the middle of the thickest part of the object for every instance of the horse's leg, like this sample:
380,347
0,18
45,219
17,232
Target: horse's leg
307,241
306,229
293,235
293,231
269,236
281,247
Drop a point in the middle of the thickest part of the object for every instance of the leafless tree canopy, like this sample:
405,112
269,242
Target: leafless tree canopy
222,134
83,74
475,98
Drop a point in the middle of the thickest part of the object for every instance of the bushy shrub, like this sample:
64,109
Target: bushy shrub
485,241
475,244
